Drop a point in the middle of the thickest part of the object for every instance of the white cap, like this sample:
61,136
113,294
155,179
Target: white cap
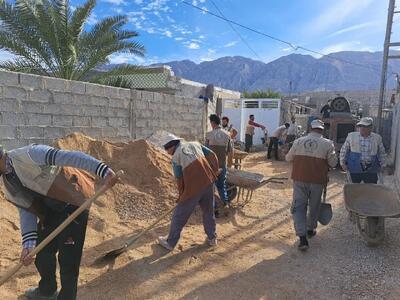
170,137
317,124
367,122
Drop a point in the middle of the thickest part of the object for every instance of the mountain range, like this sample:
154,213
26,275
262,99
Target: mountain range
294,73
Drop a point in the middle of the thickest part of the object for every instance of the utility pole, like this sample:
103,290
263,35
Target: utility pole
386,57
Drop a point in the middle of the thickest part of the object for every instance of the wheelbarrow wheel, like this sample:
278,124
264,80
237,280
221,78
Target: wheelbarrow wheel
373,230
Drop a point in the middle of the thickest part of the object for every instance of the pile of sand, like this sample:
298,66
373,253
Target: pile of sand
149,187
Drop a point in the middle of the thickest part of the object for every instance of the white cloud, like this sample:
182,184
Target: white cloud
353,28
210,55
179,39
346,46
192,45
202,37
5,55
168,33
123,58
230,44
92,20
336,14
138,2
116,2
205,10
202,1
194,2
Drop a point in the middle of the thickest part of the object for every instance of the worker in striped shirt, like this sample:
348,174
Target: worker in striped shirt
46,184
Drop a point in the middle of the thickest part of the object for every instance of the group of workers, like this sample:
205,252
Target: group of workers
47,185
362,156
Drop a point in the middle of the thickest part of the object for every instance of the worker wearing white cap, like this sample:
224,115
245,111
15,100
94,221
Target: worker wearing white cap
196,169
363,153
312,155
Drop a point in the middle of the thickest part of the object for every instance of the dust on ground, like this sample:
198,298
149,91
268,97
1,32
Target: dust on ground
256,257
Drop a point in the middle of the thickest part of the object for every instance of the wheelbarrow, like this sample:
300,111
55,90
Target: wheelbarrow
369,205
242,184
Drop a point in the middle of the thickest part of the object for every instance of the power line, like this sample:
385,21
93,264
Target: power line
236,31
330,56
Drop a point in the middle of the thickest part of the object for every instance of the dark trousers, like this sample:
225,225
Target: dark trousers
69,245
183,211
248,141
273,142
364,177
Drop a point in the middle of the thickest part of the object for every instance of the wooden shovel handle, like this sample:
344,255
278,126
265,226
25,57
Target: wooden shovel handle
60,228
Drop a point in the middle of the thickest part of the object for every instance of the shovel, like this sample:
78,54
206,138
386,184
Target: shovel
56,231
128,244
325,210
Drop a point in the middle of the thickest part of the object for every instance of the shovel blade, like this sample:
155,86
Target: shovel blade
325,213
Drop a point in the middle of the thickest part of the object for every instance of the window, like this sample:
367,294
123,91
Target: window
269,104
251,104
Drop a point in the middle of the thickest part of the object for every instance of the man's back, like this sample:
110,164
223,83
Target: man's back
312,156
218,140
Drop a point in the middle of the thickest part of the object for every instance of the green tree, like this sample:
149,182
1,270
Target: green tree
49,38
262,94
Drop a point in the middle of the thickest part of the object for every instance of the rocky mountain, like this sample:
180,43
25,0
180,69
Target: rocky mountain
295,72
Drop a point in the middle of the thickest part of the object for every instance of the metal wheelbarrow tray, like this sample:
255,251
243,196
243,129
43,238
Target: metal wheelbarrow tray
248,182
369,205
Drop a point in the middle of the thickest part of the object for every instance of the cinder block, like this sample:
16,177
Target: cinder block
117,112
149,96
125,94
77,87
38,119
56,84
111,92
11,118
116,122
15,93
40,96
59,109
159,98
63,98
120,103
9,105
95,111
141,105
81,121
8,132
32,107
62,121
99,121
8,78
95,90
123,132
31,81
98,101
31,132
109,132
55,132
141,123
14,143
93,131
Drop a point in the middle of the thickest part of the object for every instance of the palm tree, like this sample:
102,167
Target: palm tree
49,38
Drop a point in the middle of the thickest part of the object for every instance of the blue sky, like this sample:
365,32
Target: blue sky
171,30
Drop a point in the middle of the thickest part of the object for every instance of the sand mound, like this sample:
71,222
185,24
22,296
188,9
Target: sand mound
149,187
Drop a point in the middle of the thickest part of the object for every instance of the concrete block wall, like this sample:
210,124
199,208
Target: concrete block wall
37,109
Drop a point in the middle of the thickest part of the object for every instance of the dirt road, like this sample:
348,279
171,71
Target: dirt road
256,257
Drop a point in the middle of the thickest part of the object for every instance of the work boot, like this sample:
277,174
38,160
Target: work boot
212,243
311,233
34,294
303,244
163,241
